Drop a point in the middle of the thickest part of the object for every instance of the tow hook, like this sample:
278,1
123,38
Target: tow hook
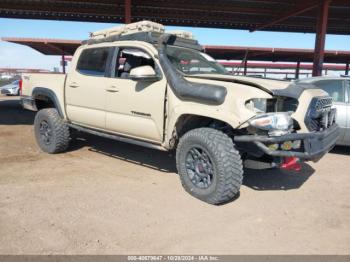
291,163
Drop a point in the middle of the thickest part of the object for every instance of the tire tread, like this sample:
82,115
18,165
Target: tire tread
59,127
230,169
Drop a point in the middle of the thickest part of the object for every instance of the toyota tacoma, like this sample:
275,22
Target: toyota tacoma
140,84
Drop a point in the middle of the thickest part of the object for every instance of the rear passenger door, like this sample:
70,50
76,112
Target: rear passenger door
336,89
86,87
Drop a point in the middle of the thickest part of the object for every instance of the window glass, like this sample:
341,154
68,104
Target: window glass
193,62
130,58
334,88
93,61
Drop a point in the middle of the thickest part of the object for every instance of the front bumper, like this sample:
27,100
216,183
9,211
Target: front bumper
315,144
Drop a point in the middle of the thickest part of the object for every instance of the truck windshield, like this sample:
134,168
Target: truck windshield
192,62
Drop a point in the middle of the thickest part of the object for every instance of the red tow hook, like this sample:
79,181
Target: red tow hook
291,163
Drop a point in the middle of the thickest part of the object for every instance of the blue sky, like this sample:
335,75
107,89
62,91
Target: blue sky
12,55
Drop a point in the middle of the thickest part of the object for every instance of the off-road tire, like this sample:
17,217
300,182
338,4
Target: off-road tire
59,130
225,159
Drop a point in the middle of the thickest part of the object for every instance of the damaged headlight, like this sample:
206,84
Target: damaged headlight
258,105
275,123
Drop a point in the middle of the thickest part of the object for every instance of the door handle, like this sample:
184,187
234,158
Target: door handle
73,85
112,89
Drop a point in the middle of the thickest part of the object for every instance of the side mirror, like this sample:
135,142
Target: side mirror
143,73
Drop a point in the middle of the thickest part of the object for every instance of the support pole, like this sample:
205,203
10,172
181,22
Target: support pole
297,70
347,69
127,11
63,64
245,67
321,30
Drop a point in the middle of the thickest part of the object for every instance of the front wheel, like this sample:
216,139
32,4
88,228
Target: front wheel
51,131
209,165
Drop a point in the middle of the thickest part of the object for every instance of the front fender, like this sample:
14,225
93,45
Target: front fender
213,112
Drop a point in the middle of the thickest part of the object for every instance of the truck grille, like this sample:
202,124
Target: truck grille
320,114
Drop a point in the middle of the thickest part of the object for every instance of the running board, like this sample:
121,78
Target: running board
117,137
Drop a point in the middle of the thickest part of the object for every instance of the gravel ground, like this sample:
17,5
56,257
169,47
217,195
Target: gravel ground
106,197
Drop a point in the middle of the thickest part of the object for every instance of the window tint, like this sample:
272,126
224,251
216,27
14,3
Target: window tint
130,58
334,88
93,61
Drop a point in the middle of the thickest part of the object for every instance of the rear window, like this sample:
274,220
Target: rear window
93,61
334,88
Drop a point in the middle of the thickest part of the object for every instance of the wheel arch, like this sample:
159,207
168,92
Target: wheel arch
186,121
46,98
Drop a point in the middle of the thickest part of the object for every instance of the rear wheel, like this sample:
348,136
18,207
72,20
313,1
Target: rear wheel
51,131
209,165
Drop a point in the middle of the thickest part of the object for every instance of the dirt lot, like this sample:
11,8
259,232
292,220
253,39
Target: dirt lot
108,197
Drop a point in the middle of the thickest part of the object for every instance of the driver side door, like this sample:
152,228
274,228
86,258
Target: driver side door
135,108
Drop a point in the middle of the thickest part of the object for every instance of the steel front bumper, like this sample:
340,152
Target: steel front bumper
315,144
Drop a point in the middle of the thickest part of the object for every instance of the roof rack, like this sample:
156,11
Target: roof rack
145,31
182,34
143,26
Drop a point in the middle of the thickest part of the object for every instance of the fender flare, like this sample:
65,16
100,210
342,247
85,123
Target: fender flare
50,94
177,113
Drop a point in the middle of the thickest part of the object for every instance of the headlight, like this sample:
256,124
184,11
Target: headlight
258,105
272,122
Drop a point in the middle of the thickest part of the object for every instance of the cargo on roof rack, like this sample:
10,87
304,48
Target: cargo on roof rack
182,34
144,31
143,26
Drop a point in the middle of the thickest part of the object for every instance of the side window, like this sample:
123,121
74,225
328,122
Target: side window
130,58
334,88
93,61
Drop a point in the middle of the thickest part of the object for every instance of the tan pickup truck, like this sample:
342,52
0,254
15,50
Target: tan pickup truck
142,85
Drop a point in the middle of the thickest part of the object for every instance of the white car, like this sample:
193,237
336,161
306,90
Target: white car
339,89
11,89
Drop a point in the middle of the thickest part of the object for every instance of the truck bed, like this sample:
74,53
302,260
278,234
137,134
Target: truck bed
54,82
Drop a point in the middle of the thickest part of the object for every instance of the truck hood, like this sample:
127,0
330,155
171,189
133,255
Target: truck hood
273,87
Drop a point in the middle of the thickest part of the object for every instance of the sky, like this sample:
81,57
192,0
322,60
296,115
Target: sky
12,55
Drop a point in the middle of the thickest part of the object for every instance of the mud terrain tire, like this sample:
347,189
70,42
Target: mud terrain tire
51,131
209,165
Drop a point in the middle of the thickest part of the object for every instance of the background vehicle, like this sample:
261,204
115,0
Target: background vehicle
339,89
140,85
11,89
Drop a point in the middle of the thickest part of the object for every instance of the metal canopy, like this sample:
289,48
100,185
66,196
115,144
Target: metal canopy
47,46
274,54
272,15
67,47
